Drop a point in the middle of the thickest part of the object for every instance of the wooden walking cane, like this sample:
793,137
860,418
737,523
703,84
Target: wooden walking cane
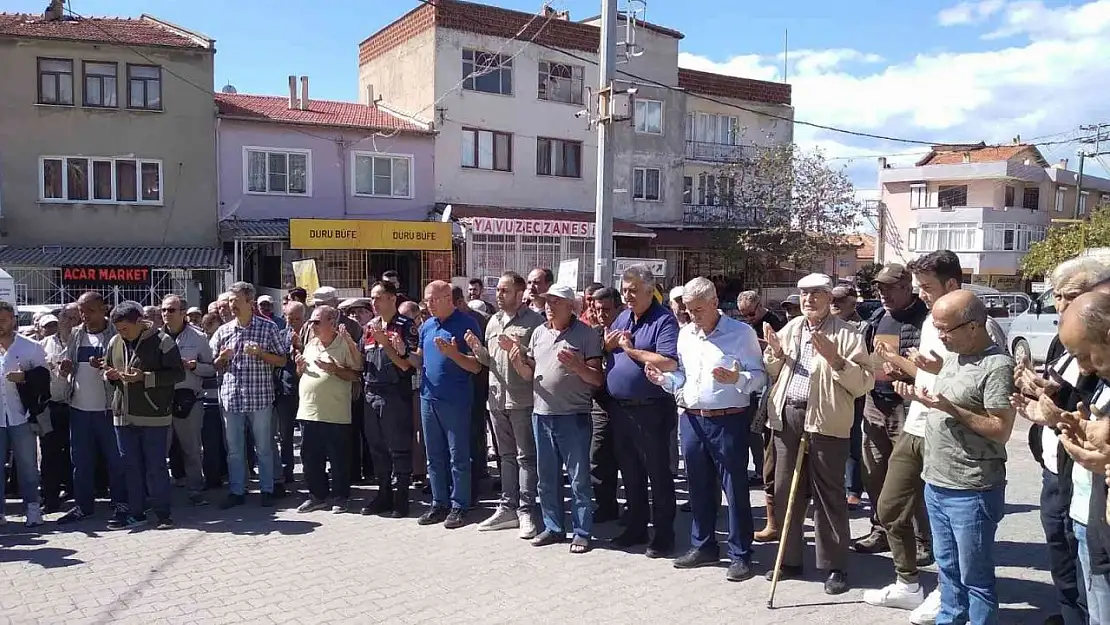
803,447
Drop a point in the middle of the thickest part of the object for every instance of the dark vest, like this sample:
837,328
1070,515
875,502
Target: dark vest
910,320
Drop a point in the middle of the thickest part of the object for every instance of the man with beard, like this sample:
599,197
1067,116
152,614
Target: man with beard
539,281
19,356
606,304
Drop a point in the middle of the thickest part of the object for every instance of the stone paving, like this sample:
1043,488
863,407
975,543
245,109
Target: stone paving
254,565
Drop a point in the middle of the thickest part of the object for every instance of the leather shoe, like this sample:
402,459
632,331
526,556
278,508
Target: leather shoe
786,572
695,558
837,583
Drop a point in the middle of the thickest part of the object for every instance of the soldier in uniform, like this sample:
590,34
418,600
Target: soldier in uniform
389,344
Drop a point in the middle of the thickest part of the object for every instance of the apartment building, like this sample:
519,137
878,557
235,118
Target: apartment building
347,185
516,159
106,168
986,203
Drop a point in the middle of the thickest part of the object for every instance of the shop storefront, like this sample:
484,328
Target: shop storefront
56,275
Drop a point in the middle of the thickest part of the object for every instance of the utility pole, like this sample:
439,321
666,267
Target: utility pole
1096,141
880,243
607,64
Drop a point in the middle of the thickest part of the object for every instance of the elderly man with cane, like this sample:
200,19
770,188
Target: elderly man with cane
819,366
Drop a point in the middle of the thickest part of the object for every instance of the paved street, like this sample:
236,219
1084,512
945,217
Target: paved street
258,566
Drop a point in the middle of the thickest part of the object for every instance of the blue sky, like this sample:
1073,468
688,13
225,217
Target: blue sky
933,70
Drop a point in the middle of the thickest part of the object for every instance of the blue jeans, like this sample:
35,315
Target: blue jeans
261,424
1063,548
964,523
446,426
564,439
1098,586
714,451
21,440
143,451
90,433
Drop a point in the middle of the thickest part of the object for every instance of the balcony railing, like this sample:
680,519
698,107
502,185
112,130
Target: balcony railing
721,216
717,152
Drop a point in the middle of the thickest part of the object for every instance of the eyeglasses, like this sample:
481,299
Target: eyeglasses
169,310
949,331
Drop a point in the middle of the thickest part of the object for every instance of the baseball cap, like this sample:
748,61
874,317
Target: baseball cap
891,273
47,319
265,299
844,290
561,291
194,311
815,281
676,293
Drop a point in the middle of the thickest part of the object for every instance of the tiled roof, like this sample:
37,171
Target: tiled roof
143,31
864,244
156,257
979,153
269,229
483,19
720,85
470,211
320,113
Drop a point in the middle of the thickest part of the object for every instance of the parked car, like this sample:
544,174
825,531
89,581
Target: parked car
1031,332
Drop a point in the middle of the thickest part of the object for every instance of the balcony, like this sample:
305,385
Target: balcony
717,152
721,216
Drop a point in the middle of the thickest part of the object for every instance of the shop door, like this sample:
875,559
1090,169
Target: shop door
407,266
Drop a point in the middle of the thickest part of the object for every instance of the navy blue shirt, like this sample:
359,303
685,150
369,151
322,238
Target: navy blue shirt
655,331
442,379
378,370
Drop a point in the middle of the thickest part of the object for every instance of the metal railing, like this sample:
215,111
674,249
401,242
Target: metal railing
721,216
717,152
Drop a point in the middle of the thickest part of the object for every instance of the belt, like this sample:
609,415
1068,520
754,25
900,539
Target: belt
638,402
715,412
797,403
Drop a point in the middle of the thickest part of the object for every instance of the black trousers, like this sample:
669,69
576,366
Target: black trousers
213,446
642,435
322,443
285,407
603,464
360,464
479,418
387,424
1063,549
55,467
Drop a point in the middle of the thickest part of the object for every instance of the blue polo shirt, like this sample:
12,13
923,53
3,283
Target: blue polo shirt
655,331
442,379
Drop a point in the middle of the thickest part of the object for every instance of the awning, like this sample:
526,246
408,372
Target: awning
536,221
155,257
254,230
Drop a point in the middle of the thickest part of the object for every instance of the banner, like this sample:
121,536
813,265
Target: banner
361,234
304,273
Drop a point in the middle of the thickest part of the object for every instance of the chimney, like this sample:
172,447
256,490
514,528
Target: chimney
882,162
55,12
370,95
304,93
1063,163
967,157
292,92
551,13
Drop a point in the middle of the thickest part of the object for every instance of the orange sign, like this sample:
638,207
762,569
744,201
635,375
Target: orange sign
359,234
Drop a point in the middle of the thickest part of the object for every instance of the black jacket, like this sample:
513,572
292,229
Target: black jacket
35,390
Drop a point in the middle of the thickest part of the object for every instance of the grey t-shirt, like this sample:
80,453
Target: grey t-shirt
558,390
957,457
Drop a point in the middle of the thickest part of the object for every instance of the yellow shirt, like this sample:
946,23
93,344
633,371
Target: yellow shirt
326,397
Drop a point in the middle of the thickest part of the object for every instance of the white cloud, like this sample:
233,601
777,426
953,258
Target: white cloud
966,13
1046,82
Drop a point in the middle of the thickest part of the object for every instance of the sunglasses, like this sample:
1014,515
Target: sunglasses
170,310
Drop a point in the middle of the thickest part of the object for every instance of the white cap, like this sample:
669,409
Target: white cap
47,319
477,305
561,291
676,293
326,293
194,311
816,281
265,299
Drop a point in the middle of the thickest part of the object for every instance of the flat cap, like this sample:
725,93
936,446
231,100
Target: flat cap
844,290
816,281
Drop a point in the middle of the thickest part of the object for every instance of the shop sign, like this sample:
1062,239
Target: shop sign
658,266
532,227
105,275
361,234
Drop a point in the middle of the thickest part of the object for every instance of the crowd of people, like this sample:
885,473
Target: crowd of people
911,406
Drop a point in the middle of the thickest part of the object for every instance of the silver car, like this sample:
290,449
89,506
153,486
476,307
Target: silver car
1032,331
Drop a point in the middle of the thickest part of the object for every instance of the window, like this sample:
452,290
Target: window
1083,195
100,85
558,157
560,82
1031,198
958,237
56,81
283,172
382,175
487,149
911,240
649,116
100,180
918,196
952,195
1061,193
715,190
1011,237
487,72
645,184
144,87
687,190
1009,196
720,129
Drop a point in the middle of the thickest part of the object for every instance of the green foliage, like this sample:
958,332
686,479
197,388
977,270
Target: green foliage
1066,241
864,277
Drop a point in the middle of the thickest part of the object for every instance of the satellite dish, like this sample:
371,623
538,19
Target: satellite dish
230,89
446,216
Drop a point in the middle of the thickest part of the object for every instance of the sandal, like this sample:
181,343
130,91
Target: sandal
580,544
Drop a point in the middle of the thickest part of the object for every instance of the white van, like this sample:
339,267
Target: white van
1032,331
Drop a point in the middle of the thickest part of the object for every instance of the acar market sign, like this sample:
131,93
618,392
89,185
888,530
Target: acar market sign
106,275
532,227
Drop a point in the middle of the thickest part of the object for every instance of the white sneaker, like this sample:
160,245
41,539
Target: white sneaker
34,515
926,613
528,529
899,595
502,519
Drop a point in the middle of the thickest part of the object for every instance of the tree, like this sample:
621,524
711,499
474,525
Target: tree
782,208
1066,241
864,277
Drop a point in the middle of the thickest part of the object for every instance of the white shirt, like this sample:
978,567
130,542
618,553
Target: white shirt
23,355
56,350
731,343
1081,479
89,393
